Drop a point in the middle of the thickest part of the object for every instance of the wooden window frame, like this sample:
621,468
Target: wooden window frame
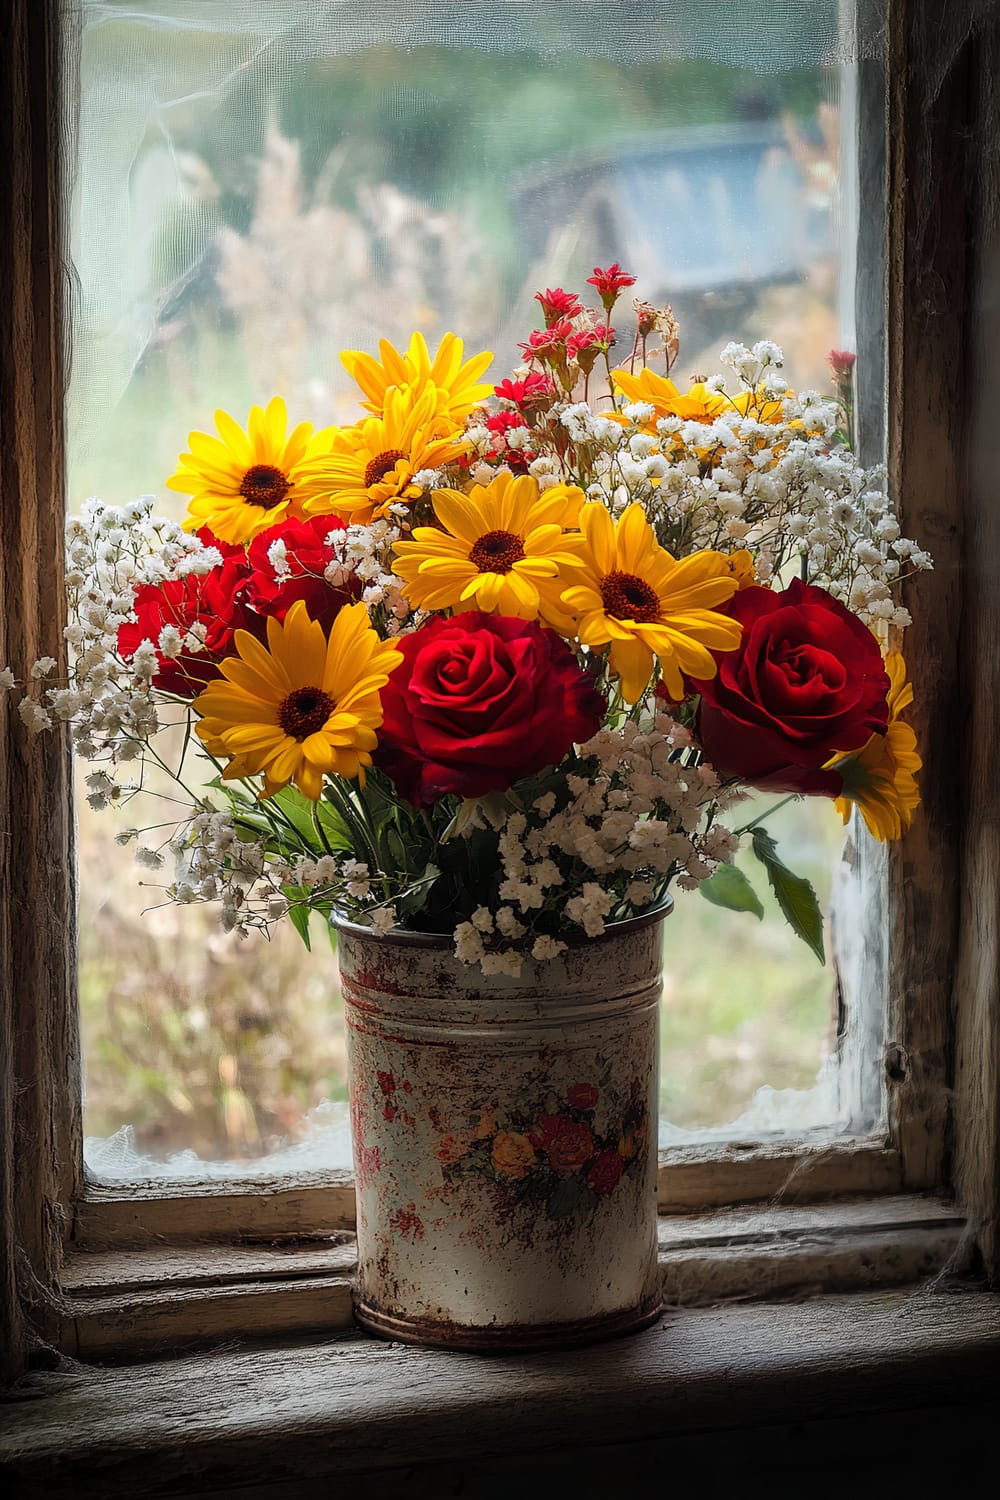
942,1052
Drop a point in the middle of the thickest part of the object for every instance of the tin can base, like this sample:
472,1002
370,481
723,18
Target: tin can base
504,1338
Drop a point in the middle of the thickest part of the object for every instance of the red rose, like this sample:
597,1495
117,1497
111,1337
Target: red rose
213,604
573,1146
306,557
566,1143
545,1129
208,538
582,1096
605,1172
479,701
806,680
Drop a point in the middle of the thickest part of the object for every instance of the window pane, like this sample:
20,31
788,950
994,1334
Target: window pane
262,186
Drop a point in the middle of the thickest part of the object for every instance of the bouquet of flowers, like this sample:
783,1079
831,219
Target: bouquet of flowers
498,661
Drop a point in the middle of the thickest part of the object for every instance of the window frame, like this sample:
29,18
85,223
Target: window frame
942,1037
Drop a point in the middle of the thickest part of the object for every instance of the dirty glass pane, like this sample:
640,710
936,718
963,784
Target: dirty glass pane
259,187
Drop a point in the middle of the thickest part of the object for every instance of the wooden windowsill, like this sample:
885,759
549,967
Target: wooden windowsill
128,1304
351,1406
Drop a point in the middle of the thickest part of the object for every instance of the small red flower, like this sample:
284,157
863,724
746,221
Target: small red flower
600,334
586,345
534,390
583,1096
610,282
504,421
548,344
605,1171
842,362
558,304
517,459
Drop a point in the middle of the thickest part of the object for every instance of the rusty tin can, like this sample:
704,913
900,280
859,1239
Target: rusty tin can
504,1137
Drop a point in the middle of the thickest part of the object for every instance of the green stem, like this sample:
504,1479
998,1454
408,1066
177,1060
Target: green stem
792,797
351,815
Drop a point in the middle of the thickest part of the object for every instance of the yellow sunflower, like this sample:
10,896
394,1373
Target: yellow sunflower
370,466
455,384
647,605
501,548
301,707
880,778
241,483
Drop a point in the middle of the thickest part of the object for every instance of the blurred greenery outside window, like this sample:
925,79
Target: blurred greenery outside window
260,187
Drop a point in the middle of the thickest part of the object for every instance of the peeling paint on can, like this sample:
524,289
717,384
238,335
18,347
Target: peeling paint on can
504,1139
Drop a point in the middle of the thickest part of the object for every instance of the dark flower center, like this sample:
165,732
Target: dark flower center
630,598
381,466
497,552
264,485
305,711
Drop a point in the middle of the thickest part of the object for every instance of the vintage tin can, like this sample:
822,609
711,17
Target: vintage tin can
504,1139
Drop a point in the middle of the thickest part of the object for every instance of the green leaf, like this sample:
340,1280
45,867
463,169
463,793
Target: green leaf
299,918
729,887
795,895
415,900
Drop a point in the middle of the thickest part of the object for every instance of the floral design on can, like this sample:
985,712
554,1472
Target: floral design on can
559,1155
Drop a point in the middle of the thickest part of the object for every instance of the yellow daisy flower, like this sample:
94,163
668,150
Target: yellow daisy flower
700,404
302,707
880,778
242,483
501,548
740,564
456,387
370,466
636,597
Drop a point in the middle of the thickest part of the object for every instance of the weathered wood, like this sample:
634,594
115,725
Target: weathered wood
774,1221
39,1057
129,1304
205,1212
780,1169
348,1406
841,1455
933,152
690,1178
103,1272
977,989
